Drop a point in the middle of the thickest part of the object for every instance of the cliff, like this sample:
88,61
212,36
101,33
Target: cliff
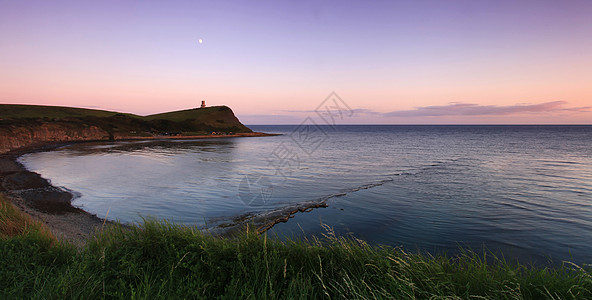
30,125
14,136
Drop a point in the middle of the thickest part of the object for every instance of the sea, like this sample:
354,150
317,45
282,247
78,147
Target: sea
523,193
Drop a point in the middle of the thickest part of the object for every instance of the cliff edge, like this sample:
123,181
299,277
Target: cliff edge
34,125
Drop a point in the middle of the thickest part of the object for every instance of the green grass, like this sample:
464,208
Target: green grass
16,111
15,223
8,111
213,118
182,115
202,121
158,260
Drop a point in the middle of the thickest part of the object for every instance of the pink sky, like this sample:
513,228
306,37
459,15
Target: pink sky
413,62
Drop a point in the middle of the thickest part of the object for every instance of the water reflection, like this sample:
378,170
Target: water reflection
169,147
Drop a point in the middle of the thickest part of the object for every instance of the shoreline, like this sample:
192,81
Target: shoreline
191,137
37,197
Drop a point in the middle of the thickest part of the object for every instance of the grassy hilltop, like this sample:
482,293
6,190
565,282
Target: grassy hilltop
184,122
18,111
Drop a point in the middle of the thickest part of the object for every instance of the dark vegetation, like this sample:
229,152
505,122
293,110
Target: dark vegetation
158,260
186,122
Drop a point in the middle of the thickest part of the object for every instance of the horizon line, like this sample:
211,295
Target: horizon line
560,124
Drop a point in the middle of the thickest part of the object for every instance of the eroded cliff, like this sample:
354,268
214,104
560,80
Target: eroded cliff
30,126
34,133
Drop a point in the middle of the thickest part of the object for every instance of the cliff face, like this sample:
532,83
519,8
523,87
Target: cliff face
16,136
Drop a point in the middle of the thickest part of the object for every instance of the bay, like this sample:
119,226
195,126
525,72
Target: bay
524,191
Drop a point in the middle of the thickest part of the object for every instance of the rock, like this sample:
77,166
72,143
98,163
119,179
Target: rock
49,200
24,180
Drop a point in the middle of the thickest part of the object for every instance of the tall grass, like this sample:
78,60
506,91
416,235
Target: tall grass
30,256
159,260
13,222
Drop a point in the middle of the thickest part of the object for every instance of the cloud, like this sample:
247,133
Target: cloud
355,111
468,109
363,111
425,114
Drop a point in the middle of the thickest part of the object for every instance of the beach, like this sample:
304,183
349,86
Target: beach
36,196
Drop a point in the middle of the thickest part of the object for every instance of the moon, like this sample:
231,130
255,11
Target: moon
200,41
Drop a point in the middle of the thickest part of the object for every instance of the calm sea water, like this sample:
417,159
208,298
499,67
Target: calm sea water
522,190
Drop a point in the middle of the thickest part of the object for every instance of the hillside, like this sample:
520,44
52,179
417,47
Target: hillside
18,111
208,119
25,125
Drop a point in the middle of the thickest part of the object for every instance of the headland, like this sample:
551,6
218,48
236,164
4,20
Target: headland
30,128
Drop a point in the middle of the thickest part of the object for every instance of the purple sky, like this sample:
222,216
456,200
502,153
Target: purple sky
392,62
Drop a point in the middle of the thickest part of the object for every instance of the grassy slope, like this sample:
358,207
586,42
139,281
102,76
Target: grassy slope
162,261
15,223
181,115
16,111
9,111
211,117
192,120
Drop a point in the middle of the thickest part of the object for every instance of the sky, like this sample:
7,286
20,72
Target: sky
276,62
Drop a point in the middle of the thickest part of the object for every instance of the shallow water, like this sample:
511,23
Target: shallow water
522,190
